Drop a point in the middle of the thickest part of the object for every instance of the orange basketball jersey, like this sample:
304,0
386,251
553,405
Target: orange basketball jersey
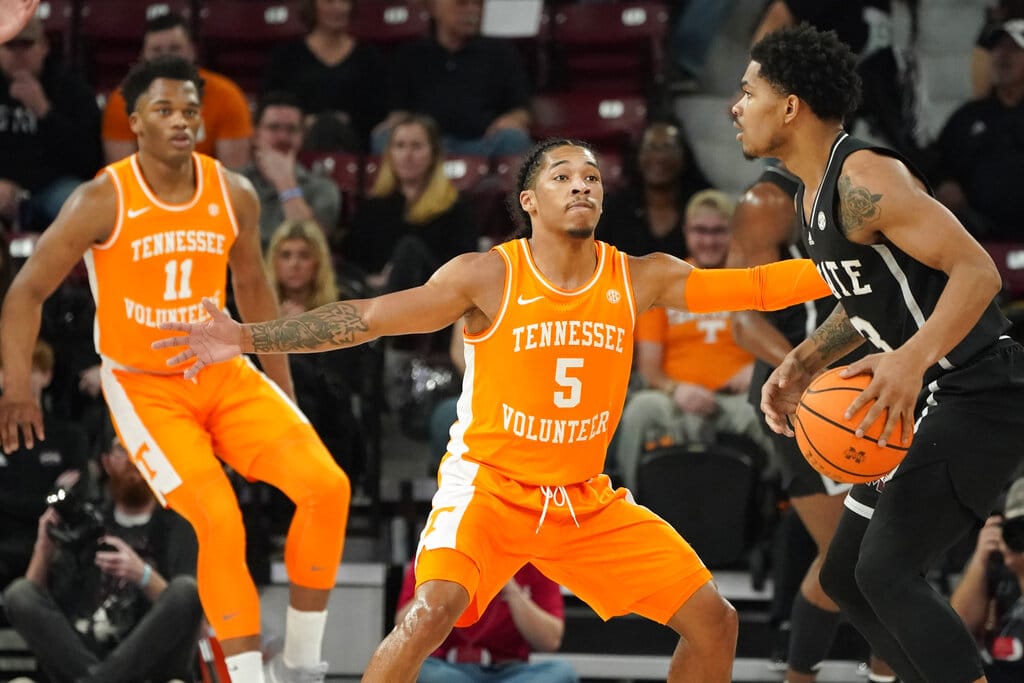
545,383
159,262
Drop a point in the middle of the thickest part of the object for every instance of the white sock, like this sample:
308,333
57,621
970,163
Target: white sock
246,667
303,637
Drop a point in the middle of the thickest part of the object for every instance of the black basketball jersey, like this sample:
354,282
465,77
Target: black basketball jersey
887,294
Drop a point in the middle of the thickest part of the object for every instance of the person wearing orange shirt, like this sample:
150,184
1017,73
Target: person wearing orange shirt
158,232
548,323
696,375
226,122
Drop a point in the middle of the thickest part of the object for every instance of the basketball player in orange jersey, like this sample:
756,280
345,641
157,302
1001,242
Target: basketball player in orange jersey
158,231
548,336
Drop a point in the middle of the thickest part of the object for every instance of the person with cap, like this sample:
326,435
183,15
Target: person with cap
49,131
989,595
980,151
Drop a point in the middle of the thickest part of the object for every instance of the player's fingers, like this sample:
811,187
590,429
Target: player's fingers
213,309
168,342
181,357
10,436
194,369
858,367
27,435
907,424
175,326
873,414
887,430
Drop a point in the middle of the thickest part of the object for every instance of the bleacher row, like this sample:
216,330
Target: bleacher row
608,55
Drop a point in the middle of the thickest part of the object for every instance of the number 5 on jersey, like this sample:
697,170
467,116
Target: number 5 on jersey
569,399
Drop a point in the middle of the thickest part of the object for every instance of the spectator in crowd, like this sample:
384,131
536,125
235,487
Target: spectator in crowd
889,107
298,264
981,150
696,375
28,475
287,190
528,615
414,219
988,597
226,125
475,88
49,131
647,216
110,594
981,58
335,78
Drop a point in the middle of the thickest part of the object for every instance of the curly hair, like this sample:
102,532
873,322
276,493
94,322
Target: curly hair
527,178
813,65
142,75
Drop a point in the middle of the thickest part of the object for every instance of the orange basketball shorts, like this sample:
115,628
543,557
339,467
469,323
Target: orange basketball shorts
172,427
617,556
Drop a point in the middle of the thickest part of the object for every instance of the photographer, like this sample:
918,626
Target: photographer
109,595
988,598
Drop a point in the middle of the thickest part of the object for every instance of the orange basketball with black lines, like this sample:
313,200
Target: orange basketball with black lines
827,439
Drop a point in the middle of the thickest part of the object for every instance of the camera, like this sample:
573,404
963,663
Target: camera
1013,533
81,522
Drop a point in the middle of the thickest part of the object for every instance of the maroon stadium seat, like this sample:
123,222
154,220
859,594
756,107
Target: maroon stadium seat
237,36
614,46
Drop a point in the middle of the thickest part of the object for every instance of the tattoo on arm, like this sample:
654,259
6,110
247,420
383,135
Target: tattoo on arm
858,206
836,336
337,324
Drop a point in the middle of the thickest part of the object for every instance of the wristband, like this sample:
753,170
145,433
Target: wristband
290,193
147,574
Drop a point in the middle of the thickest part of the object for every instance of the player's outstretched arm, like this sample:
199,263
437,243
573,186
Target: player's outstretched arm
663,280
465,283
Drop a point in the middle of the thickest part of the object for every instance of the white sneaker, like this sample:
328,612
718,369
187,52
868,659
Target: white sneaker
276,671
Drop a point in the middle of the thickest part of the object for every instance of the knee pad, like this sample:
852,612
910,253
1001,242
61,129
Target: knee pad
813,630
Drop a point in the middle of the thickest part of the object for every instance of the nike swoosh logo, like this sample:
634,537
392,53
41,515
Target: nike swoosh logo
522,302
226,617
135,213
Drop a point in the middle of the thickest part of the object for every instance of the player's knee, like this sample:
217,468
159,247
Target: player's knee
330,490
837,580
430,619
717,628
877,578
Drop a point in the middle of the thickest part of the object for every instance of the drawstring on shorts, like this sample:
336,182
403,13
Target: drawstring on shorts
561,499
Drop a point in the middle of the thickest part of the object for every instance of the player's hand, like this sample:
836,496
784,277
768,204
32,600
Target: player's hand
894,387
20,415
781,394
122,562
211,341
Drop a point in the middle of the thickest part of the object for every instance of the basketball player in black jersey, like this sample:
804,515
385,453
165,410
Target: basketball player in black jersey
765,230
912,283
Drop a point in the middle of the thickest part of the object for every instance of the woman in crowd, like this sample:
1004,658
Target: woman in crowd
336,78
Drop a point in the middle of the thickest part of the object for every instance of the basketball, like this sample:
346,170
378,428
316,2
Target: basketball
13,16
827,439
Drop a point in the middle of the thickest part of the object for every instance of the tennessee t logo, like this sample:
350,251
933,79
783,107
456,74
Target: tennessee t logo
433,518
139,458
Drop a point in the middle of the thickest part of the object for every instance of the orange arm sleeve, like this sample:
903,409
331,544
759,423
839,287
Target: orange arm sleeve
762,288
